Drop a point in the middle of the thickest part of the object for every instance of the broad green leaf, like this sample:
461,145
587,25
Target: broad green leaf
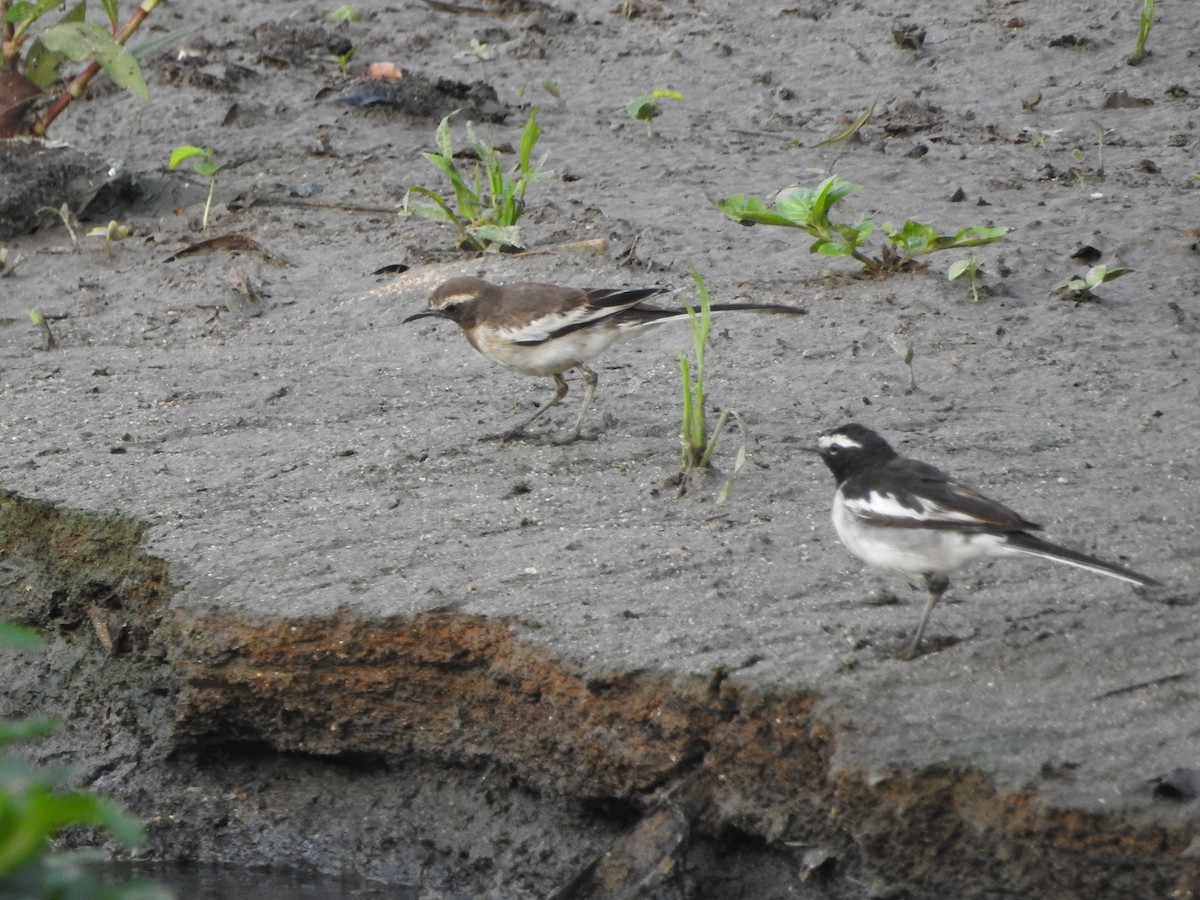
752,211
41,65
1098,275
978,235
830,248
184,153
89,41
29,12
958,269
831,191
643,109
504,236
796,204
854,236
913,238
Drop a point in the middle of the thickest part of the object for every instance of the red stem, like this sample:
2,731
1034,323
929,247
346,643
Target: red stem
75,89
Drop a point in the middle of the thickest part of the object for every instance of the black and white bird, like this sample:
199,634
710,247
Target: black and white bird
546,330
905,516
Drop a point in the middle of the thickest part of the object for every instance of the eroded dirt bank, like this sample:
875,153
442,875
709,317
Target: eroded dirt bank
440,750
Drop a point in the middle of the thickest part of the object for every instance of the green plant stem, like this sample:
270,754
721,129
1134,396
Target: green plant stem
212,186
77,86
8,58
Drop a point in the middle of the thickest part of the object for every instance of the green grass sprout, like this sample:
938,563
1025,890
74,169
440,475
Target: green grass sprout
1144,25
697,442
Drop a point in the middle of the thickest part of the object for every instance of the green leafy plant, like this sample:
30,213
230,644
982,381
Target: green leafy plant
488,201
809,210
204,162
344,13
35,806
1144,24
646,109
35,59
1081,288
972,269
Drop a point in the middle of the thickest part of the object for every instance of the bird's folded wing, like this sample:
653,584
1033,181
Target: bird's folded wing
937,504
577,310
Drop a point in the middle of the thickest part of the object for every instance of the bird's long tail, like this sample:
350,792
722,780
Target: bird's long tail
637,318
1035,546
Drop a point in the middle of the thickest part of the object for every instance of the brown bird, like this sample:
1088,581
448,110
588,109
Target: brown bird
546,330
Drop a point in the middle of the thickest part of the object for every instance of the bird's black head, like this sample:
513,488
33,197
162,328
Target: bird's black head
850,448
457,300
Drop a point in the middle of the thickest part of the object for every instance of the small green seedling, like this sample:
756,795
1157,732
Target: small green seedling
972,269
809,210
697,443
488,201
204,162
1144,25
68,219
344,13
36,317
112,232
342,59
9,261
1082,288
646,109
903,347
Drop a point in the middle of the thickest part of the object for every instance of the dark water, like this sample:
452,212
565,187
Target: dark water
209,882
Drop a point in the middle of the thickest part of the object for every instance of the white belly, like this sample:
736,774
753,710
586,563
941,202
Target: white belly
552,357
913,551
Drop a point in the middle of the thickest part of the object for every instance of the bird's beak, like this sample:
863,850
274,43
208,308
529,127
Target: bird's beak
426,313
816,451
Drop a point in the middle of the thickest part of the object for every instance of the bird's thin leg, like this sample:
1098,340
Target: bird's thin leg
936,586
590,379
560,391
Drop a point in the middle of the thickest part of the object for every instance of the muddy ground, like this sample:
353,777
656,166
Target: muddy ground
302,615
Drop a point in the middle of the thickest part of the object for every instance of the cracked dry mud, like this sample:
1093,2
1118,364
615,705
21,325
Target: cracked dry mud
302,616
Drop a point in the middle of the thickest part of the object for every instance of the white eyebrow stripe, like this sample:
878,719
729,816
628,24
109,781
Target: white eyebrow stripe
455,298
827,441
